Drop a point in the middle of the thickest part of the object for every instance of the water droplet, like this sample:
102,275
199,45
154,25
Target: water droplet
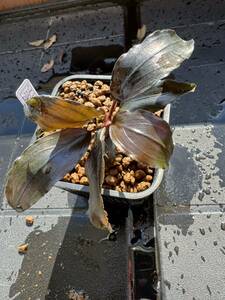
215,243
207,176
176,249
207,191
201,195
203,258
222,226
202,231
193,130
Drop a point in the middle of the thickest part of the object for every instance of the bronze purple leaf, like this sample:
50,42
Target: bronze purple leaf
141,69
143,136
42,164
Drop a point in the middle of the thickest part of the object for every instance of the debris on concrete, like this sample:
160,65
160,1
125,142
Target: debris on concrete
48,66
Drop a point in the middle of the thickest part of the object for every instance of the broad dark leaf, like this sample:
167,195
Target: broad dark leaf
42,164
95,170
167,92
143,136
52,113
139,70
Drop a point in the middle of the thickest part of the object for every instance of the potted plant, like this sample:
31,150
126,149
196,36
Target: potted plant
77,129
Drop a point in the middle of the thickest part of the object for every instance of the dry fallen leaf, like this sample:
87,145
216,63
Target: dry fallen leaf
36,43
22,249
48,66
50,41
29,220
141,32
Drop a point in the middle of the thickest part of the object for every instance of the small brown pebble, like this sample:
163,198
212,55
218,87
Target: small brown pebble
123,186
118,157
73,87
113,171
29,220
118,189
105,109
96,101
67,83
139,174
128,178
102,98
126,161
66,90
91,127
84,180
22,249
132,172
143,186
66,96
75,178
77,167
158,113
98,83
107,102
105,88
111,180
81,101
89,86
148,178
149,170
81,171
89,104
71,95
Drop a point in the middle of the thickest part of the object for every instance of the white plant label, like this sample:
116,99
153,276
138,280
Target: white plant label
25,91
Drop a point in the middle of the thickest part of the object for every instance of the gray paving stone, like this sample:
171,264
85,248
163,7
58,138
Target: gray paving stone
90,24
64,253
11,117
18,66
191,255
177,13
194,176
16,35
202,106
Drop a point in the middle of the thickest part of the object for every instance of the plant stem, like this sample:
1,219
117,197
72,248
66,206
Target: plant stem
109,115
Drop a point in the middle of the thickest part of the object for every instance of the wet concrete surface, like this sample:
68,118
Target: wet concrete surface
189,205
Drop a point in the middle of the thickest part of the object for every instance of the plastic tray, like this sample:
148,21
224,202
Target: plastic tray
81,189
